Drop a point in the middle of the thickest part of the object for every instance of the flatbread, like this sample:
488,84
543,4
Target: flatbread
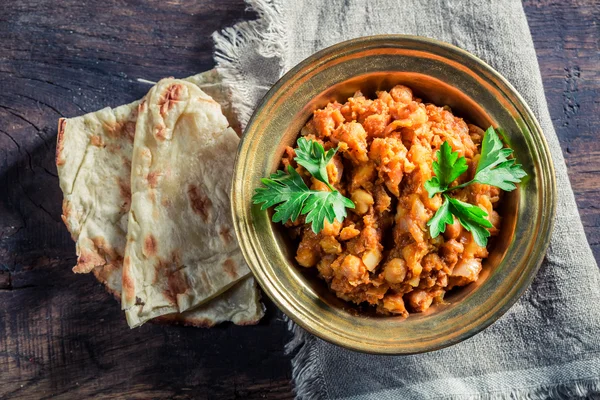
180,250
240,305
211,83
94,165
93,158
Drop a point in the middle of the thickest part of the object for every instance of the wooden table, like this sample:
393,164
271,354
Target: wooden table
61,334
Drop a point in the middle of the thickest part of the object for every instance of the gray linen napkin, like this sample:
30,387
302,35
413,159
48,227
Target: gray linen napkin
548,344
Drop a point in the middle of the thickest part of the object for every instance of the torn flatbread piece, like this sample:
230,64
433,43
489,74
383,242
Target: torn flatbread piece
93,159
180,250
94,166
240,305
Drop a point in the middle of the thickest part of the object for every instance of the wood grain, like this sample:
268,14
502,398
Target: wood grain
566,35
61,335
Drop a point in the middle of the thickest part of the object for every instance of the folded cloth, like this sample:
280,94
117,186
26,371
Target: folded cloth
548,344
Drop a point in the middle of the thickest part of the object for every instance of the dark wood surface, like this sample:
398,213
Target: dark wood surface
61,335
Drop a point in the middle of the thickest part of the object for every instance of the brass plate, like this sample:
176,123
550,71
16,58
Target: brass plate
439,73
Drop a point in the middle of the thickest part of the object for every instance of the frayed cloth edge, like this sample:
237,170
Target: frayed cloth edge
267,34
309,382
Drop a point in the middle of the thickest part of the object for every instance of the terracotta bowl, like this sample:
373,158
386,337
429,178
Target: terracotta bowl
444,75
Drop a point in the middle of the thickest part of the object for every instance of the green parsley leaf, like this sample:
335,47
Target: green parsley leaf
442,217
447,168
280,187
472,218
325,205
504,175
312,156
494,168
493,151
294,198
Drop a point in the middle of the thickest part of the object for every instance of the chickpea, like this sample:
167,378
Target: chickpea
413,254
362,201
395,270
330,229
419,300
401,94
371,258
450,251
472,249
307,257
363,174
308,253
335,169
485,203
414,281
432,203
330,245
454,230
393,303
318,185
349,232
432,262
353,270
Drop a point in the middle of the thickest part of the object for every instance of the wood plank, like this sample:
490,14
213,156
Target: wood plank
567,41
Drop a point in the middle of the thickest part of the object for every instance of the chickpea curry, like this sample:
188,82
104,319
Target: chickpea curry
412,230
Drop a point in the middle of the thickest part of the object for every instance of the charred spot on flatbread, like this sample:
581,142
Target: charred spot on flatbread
150,245
127,163
230,268
97,141
103,248
168,99
94,252
127,280
122,129
129,130
225,234
106,275
177,284
161,133
170,271
125,192
88,260
176,257
199,202
153,177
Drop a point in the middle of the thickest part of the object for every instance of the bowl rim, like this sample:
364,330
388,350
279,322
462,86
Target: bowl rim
250,253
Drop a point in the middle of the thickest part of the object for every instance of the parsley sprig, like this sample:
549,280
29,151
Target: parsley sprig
294,198
494,168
